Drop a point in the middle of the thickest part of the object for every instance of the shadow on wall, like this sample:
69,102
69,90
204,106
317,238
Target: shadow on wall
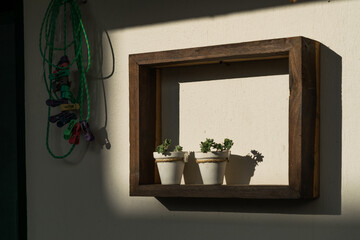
98,38
192,171
241,169
138,12
329,202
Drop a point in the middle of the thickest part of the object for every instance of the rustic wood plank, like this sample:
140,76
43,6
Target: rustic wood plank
295,98
308,112
185,64
219,191
303,118
134,123
147,123
316,189
248,50
310,118
158,132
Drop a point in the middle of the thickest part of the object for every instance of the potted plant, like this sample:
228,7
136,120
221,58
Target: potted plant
212,164
170,164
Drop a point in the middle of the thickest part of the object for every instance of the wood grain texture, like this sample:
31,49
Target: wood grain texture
145,115
218,191
303,118
295,98
147,123
308,111
249,50
134,123
316,190
158,132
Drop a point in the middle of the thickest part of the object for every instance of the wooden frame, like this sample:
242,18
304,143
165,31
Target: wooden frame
145,115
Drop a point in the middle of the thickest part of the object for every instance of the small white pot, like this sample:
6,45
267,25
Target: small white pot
170,166
212,166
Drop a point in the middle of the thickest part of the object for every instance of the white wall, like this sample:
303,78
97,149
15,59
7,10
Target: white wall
87,196
218,101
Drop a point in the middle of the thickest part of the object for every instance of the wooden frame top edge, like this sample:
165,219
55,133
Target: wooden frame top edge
261,49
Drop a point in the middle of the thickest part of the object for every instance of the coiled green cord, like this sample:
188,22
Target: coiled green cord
47,34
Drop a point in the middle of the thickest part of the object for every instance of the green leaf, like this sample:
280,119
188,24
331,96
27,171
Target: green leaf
178,148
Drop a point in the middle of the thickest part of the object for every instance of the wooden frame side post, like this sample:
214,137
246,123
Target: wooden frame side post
303,118
147,123
310,120
134,125
316,190
158,127
295,83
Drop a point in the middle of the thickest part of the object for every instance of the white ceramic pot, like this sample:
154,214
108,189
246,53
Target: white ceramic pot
170,166
212,166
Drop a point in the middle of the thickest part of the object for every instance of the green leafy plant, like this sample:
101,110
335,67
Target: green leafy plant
164,147
178,148
209,144
228,143
218,146
206,146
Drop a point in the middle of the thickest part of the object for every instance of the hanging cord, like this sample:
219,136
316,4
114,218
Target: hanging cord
47,49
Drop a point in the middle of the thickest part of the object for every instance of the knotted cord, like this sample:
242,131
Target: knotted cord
48,49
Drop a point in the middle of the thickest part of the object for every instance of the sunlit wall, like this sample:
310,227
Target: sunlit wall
86,196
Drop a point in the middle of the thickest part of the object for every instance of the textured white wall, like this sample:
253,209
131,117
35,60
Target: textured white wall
87,196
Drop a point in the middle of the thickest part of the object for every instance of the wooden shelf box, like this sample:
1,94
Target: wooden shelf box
145,114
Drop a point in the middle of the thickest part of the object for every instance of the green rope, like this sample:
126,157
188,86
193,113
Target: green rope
48,49
54,10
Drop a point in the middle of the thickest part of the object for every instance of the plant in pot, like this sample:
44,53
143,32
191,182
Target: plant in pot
170,164
212,164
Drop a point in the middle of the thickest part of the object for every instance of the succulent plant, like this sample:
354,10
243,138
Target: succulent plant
209,144
164,147
206,146
228,143
178,148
